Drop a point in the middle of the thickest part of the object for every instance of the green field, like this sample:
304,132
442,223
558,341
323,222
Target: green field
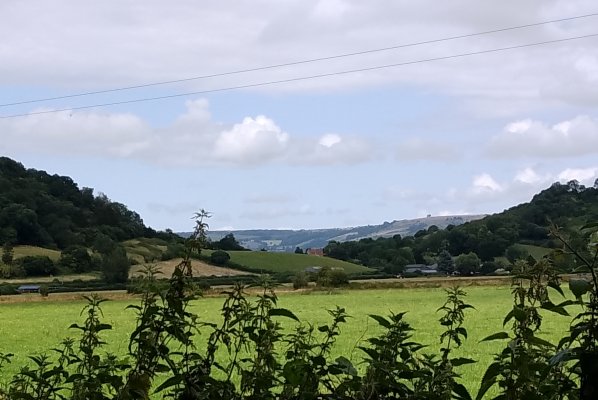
288,262
23,251
29,328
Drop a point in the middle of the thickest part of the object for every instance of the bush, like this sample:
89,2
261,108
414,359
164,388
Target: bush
37,265
44,291
219,257
8,289
331,277
76,259
300,280
115,266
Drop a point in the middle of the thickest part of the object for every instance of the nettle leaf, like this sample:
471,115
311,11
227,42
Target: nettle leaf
496,336
381,320
590,225
460,392
579,287
489,379
282,312
540,342
456,362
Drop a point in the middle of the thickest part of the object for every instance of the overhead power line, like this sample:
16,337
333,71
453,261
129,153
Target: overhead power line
302,78
311,60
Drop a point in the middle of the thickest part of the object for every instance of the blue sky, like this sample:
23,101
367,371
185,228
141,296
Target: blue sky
467,135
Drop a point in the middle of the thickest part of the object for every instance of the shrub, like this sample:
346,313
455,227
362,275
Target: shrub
8,289
37,265
300,280
44,291
332,277
219,257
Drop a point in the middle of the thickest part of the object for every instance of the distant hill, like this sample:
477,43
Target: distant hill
51,211
514,233
288,240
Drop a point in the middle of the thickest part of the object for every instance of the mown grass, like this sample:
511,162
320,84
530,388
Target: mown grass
30,328
23,251
288,262
145,249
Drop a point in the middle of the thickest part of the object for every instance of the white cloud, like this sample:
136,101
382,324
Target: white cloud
254,141
192,139
105,44
575,137
485,183
329,140
530,176
583,175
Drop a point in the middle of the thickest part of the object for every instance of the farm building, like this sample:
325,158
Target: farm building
315,252
421,269
28,289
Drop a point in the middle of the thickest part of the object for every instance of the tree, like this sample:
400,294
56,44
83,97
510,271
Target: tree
219,257
37,265
115,266
467,264
76,259
228,243
7,253
298,250
300,280
445,262
515,252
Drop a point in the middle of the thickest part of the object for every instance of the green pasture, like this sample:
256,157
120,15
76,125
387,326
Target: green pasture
31,328
288,262
23,251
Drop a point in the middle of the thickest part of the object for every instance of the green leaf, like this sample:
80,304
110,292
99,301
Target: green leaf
282,312
172,381
590,225
381,320
489,379
460,392
462,361
556,287
496,336
579,287
540,342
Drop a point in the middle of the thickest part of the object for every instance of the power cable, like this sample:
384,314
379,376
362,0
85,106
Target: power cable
312,60
268,83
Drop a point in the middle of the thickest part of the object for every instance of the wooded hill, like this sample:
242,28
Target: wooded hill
51,211
507,235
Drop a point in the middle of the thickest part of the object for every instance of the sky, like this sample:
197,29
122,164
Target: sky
311,144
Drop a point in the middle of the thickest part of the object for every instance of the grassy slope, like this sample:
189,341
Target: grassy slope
144,249
535,251
491,303
23,251
289,262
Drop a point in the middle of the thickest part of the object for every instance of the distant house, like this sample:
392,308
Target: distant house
315,252
28,289
421,269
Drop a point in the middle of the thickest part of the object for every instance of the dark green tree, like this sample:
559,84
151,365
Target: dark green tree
115,266
219,257
7,253
467,264
228,243
445,262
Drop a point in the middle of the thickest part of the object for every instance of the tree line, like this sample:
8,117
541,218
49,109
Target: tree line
565,205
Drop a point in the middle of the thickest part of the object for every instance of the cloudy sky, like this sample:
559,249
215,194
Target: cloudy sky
435,131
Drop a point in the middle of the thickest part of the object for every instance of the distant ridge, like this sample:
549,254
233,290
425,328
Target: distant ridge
288,240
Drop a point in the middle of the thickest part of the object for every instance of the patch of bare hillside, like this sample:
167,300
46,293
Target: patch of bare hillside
199,269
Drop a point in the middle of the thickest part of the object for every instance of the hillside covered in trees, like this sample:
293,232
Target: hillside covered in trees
40,209
496,238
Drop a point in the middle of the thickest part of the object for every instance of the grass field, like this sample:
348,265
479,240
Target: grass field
23,251
29,328
288,262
